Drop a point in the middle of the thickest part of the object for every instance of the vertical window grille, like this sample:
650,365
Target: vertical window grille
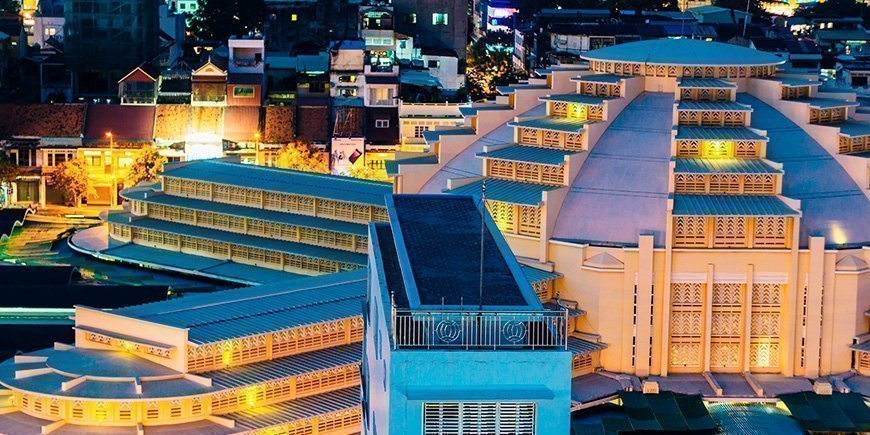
478,418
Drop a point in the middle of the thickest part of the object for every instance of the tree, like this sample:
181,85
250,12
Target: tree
10,6
299,157
72,178
836,8
147,164
362,171
489,66
8,172
220,19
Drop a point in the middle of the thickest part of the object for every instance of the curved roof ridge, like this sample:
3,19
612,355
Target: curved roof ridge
685,52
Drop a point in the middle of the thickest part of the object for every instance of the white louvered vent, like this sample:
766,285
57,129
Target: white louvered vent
479,418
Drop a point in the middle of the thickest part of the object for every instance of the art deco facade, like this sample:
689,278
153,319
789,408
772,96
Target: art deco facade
708,214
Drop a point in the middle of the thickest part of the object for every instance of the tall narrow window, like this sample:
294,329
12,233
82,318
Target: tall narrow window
439,19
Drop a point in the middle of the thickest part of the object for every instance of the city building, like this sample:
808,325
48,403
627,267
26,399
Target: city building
470,351
104,40
707,213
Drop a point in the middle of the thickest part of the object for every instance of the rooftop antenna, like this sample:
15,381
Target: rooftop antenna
746,18
482,222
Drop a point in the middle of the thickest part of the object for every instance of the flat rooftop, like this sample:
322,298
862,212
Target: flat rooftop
433,234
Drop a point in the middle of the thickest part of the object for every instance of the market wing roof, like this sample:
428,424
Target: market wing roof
283,181
531,154
513,192
731,205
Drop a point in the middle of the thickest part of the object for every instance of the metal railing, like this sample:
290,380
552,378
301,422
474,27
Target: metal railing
480,330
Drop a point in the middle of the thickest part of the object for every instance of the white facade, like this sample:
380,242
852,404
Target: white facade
246,56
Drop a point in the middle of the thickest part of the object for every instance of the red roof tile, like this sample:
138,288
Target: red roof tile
127,123
42,120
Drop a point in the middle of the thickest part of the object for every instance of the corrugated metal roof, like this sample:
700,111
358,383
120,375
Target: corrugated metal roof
506,90
531,154
435,135
254,310
826,103
712,105
283,180
853,129
705,83
472,111
579,346
294,410
567,125
861,347
610,79
239,239
731,205
249,212
513,192
293,365
535,275
717,133
576,99
794,81
730,166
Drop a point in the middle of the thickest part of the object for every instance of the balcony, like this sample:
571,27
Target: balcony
480,330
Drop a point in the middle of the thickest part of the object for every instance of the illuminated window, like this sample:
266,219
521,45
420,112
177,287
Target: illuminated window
293,17
434,64
382,123
243,92
439,19
347,79
411,18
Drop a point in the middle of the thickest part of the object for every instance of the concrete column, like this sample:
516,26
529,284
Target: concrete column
815,287
666,296
746,316
644,305
708,317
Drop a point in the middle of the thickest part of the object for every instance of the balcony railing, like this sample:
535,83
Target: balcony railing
480,330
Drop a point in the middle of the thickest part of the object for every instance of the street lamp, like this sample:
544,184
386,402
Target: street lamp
257,147
113,191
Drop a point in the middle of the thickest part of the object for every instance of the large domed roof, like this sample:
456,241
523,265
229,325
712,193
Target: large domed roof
683,52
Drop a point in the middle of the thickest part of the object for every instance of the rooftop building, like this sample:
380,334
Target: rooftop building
473,350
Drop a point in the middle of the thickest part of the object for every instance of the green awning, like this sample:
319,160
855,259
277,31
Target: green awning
723,166
730,205
837,412
529,154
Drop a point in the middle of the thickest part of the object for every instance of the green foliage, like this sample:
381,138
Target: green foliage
147,164
8,170
220,19
10,6
71,178
740,6
836,8
299,157
359,170
489,66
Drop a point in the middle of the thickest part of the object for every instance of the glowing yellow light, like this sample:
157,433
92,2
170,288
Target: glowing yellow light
227,355
251,396
128,346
